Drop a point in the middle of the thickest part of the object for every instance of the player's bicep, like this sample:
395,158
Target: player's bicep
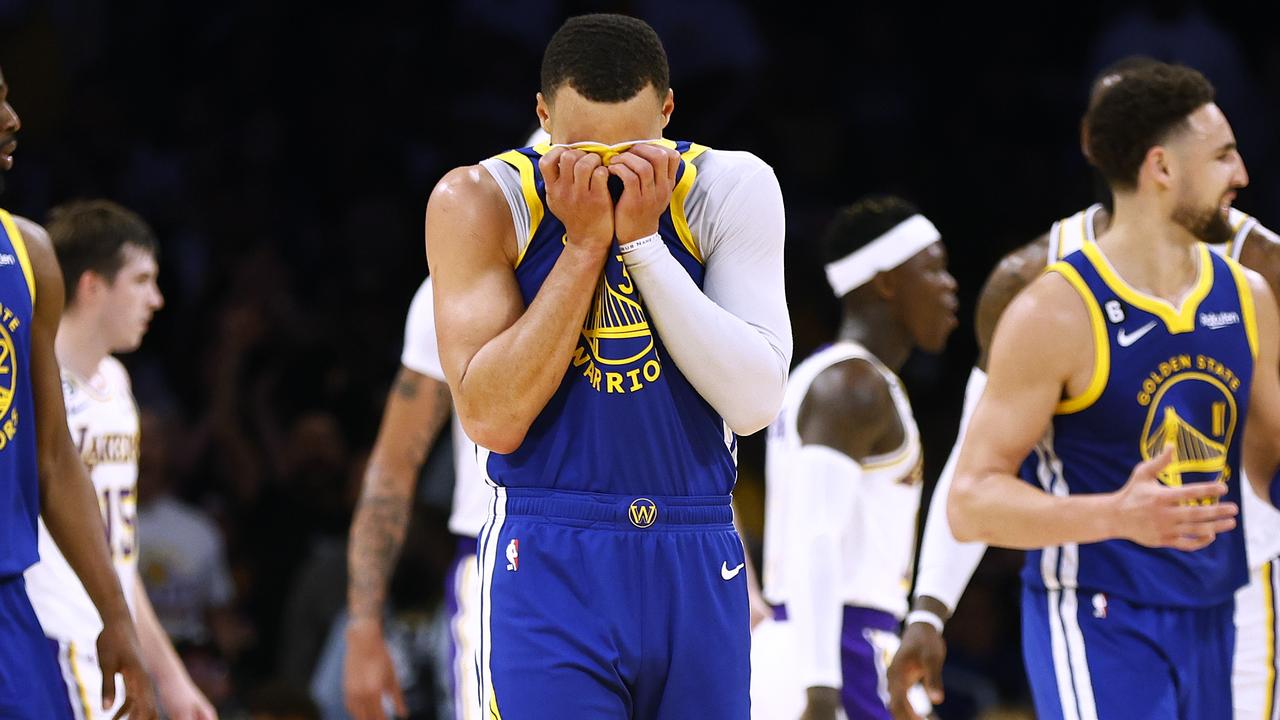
52,437
470,242
1026,376
1262,451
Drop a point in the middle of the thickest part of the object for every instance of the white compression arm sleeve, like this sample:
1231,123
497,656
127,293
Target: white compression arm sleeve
735,332
946,564
821,490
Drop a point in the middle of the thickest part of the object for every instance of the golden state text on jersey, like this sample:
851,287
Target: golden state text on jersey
1163,376
624,419
19,493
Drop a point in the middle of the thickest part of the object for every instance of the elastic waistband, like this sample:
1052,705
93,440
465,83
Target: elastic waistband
621,511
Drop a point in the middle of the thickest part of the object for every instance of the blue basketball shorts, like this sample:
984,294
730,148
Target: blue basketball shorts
606,606
31,686
1091,656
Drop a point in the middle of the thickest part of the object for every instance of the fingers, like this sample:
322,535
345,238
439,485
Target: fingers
126,708
1193,492
1151,468
549,164
640,166
665,161
108,681
630,180
582,169
933,682
397,695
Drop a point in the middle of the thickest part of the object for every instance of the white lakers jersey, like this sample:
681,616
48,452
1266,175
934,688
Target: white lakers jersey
1261,519
879,532
471,494
103,420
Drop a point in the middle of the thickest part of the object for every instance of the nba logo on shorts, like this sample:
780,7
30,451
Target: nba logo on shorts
513,555
1100,606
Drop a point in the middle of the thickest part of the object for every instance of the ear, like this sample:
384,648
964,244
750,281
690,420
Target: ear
885,284
668,105
1158,167
543,109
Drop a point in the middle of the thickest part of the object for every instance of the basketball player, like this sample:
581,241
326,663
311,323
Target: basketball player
416,410
844,470
1128,590
612,575
41,476
107,254
946,565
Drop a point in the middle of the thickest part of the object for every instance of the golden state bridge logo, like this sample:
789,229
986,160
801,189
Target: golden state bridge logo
616,336
1191,406
8,385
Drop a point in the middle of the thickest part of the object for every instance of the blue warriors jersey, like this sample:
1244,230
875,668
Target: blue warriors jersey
1162,376
624,420
19,491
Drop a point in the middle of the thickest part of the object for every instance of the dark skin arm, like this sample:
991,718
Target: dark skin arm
417,408
68,501
1016,271
848,408
1261,254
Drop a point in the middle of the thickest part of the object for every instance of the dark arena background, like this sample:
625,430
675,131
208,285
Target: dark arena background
284,153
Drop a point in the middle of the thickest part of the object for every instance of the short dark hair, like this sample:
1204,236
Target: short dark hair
1135,115
865,220
90,235
605,57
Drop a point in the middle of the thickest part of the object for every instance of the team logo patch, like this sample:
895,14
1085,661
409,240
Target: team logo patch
643,512
1191,406
8,386
615,352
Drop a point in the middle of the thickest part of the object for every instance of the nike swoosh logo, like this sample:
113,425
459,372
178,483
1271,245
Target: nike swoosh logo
1127,339
728,574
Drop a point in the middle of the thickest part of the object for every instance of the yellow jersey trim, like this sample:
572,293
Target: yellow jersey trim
1180,320
529,188
681,194
1269,601
1101,345
1247,308
20,249
75,675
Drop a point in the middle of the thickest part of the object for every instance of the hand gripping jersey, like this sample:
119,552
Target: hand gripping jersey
624,420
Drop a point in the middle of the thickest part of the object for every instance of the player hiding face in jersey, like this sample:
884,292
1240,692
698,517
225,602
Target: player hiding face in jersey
844,473
1131,481
608,352
41,476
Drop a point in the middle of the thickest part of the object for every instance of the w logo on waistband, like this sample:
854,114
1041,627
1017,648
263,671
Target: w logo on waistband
643,512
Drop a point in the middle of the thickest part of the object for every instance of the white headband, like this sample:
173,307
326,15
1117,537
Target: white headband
884,253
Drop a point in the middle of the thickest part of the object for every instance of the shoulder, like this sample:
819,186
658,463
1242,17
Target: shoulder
468,210
1050,306
464,187
733,170
115,373
848,406
1011,275
36,239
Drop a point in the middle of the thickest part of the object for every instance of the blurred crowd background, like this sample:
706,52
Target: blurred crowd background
284,153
